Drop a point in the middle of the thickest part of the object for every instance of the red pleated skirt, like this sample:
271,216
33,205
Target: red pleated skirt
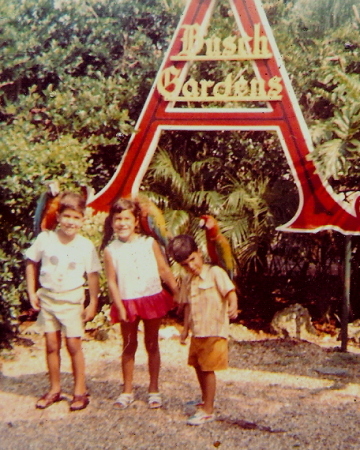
149,307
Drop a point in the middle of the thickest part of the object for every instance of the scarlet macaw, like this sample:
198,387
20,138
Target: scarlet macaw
218,246
46,208
152,221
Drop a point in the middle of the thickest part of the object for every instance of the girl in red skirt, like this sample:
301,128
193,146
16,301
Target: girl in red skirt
135,269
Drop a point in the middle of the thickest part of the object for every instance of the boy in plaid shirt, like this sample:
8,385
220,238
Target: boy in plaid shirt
210,300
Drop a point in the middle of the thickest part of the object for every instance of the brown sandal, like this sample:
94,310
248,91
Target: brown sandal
48,399
82,400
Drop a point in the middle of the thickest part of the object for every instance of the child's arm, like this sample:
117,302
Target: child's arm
112,284
185,332
232,301
31,274
164,270
93,283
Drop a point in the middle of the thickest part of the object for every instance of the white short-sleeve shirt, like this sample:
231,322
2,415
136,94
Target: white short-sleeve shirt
63,266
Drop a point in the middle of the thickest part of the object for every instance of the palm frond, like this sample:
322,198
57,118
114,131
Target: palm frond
198,167
330,156
178,221
210,200
163,169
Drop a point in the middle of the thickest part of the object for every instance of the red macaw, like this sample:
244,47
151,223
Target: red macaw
218,246
46,208
152,221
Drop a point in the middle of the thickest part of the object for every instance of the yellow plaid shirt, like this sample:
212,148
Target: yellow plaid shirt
206,295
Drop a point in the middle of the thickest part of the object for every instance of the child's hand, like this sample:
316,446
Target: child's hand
122,313
89,313
183,336
233,305
233,312
35,302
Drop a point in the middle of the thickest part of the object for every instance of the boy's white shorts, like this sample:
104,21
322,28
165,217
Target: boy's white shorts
62,311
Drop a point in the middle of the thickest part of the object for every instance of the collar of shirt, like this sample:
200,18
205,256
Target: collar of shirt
203,274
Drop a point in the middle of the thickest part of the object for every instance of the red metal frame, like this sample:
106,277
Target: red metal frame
319,207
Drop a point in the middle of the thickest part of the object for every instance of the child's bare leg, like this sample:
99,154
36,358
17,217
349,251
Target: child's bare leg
151,328
53,345
207,381
129,332
78,364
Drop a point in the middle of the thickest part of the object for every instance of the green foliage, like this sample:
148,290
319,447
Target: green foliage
73,80
320,17
337,139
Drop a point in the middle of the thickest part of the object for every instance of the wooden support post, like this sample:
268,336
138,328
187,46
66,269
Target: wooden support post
346,298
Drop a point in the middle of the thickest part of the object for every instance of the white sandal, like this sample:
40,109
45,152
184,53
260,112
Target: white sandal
124,400
154,400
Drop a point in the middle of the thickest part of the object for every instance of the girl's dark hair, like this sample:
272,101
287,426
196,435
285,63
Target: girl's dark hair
123,204
72,200
181,247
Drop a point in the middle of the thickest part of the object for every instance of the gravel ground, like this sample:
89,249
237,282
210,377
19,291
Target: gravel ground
276,395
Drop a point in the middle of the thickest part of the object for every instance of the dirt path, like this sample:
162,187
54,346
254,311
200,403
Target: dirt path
277,394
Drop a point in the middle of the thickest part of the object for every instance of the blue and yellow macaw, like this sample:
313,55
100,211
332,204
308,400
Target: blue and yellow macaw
152,221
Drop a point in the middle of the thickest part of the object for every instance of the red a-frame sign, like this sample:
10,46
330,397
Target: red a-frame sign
319,208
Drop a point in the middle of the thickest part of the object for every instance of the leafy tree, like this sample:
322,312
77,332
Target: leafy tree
73,79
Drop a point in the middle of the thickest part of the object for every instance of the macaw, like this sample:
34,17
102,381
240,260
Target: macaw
152,221
218,246
46,208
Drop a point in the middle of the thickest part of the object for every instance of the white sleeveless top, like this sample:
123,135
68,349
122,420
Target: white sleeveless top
136,267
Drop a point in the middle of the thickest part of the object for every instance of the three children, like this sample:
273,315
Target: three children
135,269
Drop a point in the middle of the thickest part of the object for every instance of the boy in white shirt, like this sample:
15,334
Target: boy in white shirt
58,261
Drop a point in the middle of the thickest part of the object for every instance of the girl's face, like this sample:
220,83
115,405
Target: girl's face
124,225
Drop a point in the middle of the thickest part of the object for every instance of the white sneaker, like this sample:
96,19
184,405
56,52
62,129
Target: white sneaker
200,417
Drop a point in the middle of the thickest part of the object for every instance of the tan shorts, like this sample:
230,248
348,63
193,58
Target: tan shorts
58,313
208,353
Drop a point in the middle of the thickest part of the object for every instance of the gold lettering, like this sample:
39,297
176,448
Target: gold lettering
192,40
275,88
229,45
242,90
213,47
227,49
260,43
224,86
257,88
191,89
169,79
242,48
208,47
205,84
241,87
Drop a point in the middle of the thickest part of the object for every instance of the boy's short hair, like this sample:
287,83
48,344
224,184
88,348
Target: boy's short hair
72,200
181,247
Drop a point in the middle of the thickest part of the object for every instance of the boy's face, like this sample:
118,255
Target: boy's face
70,222
193,264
